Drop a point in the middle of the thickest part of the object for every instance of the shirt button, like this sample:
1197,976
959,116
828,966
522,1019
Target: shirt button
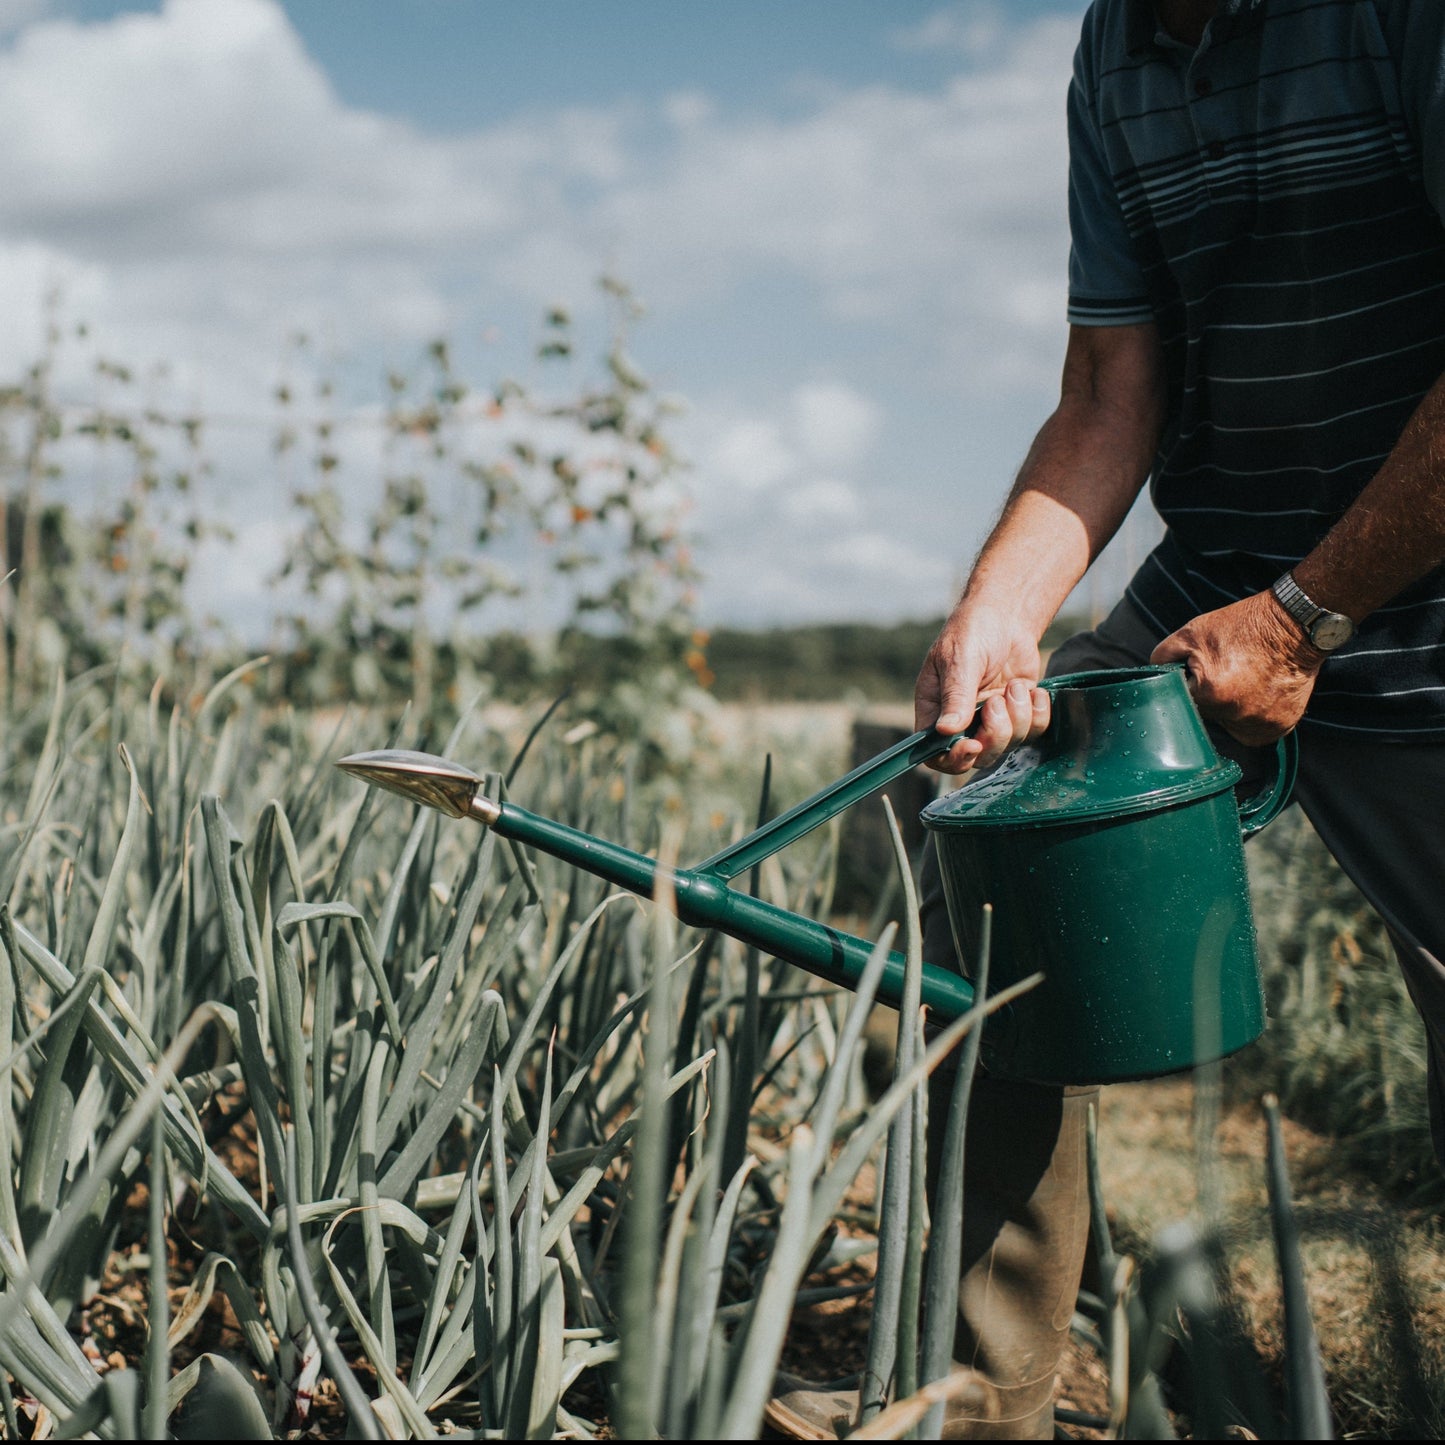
1203,85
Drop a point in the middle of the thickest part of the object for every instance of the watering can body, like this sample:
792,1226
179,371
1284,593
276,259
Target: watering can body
1110,852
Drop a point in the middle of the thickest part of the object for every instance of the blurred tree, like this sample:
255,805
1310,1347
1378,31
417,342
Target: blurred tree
567,503
94,573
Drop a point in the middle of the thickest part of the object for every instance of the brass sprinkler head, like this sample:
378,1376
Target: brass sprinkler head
424,778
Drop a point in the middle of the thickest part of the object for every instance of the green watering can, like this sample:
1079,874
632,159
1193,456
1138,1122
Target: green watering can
1110,849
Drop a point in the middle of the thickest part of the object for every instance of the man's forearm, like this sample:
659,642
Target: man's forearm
1251,667
1075,488
1394,532
1080,477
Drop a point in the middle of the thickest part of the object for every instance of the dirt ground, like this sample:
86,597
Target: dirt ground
1375,1268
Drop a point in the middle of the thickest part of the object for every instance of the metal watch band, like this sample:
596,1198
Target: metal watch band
1326,630
1295,601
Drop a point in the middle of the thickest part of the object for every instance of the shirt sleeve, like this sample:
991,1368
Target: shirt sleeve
1415,33
1105,284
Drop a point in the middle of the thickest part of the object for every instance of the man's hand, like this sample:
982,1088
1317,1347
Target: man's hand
980,660
1075,487
1250,668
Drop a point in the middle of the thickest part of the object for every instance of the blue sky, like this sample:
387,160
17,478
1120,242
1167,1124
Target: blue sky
847,221
454,64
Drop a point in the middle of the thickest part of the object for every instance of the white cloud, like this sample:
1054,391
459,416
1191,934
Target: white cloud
29,272
205,135
836,425
193,180
871,554
935,211
124,128
686,109
17,13
823,501
816,429
751,454
792,523
201,158
884,579
967,32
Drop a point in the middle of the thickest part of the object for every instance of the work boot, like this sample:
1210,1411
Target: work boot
803,1411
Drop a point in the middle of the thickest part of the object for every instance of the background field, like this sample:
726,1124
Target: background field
326,1116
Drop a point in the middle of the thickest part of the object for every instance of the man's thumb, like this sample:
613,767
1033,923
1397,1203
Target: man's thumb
957,708
1173,649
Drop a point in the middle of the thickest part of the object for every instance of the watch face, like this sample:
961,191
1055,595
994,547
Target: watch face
1331,631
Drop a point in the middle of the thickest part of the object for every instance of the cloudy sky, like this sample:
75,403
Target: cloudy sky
846,219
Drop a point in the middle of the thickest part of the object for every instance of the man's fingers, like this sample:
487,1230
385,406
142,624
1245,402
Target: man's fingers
942,698
999,727
1040,711
1018,697
1005,718
1236,673
959,758
955,714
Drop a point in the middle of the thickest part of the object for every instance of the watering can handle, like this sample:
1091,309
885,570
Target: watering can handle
1267,805
812,812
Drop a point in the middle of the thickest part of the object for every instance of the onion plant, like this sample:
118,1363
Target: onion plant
464,1141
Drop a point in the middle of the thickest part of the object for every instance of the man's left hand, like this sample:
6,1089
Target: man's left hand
1250,668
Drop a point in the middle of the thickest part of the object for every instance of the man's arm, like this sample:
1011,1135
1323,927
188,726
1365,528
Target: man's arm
1080,478
1250,665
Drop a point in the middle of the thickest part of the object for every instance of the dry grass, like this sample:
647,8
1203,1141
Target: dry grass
1375,1269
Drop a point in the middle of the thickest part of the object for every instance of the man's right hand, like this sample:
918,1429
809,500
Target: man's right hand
980,660
1075,487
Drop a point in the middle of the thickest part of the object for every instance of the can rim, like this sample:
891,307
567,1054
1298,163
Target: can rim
937,818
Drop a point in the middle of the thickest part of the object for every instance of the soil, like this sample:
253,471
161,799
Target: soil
1374,1266
1375,1269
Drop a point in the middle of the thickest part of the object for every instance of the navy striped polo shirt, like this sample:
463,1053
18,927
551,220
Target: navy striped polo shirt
1273,200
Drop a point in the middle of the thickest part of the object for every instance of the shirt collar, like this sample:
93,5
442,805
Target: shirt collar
1143,22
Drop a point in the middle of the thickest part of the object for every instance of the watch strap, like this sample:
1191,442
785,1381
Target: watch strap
1308,613
1296,601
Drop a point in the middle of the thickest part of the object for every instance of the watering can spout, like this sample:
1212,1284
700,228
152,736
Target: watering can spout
424,778
701,895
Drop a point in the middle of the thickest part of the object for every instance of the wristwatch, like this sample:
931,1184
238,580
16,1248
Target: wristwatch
1326,630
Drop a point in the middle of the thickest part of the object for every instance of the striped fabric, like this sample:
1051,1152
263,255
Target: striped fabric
1272,201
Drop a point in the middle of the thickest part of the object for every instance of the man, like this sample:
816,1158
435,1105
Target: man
1257,309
